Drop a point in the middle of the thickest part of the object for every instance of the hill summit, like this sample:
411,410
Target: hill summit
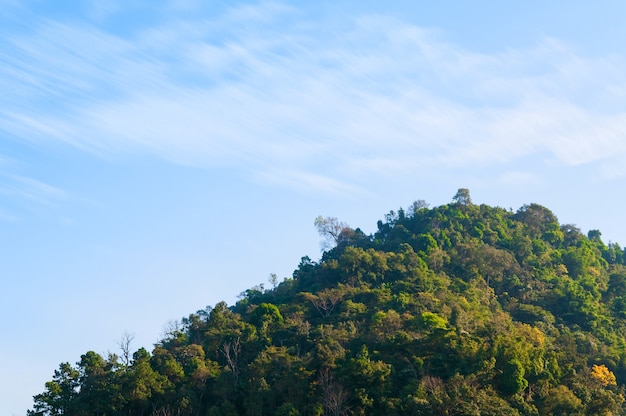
460,309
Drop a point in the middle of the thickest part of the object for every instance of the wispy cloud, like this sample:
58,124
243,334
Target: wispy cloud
377,95
38,191
299,180
19,193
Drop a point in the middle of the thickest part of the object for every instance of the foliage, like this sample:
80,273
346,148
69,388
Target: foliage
459,309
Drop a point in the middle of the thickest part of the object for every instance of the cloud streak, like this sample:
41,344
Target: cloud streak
326,109
19,192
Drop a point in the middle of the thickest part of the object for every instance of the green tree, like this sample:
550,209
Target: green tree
512,380
561,401
462,197
99,386
142,384
58,399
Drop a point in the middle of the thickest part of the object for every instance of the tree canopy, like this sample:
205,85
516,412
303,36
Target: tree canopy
460,309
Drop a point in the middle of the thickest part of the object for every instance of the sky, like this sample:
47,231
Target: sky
157,157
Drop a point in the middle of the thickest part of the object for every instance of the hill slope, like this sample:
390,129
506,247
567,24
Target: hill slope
460,309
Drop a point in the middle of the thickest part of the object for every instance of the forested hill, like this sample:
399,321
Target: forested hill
461,309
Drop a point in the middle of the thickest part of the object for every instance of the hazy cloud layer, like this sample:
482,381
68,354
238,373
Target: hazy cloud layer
318,104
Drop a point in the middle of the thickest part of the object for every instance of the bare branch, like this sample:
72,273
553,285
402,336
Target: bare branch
334,231
334,396
231,351
124,343
324,301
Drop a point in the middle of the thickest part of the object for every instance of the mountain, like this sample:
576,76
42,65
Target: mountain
461,309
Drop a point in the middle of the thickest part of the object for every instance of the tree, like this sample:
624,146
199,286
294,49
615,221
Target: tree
594,235
334,396
98,384
562,401
273,279
232,353
324,301
58,399
603,375
142,384
124,343
462,197
418,205
512,378
333,230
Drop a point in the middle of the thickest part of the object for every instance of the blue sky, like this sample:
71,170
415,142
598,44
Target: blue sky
157,157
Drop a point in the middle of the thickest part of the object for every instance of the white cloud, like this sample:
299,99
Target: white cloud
102,9
37,191
299,180
20,192
516,179
377,96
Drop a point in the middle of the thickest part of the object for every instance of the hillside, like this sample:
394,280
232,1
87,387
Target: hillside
460,309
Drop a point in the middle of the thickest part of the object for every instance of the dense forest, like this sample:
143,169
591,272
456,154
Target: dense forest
460,309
